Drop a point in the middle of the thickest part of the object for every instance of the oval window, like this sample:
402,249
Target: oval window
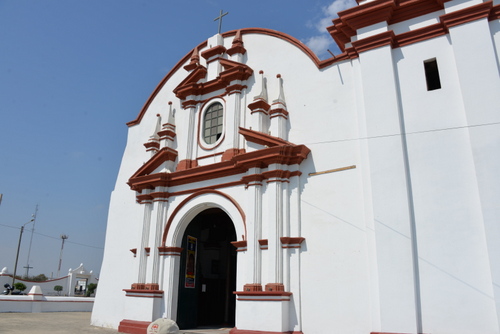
212,123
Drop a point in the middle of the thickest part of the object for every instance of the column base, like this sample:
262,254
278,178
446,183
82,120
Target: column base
275,287
133,326
252,287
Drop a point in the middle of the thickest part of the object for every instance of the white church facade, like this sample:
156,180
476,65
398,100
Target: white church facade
268,191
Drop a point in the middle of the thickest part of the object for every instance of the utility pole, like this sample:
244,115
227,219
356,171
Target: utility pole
63,237
31,241
18,247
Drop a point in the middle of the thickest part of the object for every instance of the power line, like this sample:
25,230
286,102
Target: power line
400,134
67,241
14,227
55,238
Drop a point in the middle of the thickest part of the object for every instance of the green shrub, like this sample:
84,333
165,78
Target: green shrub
20,286
58,288
91,289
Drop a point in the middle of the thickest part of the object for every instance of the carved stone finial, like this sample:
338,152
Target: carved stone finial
263,93
281,96
237,46
195,60
157,129
171,116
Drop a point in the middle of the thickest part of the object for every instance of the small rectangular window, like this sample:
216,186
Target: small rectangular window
432,74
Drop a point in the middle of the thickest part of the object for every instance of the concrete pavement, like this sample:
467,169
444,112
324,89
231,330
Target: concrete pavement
64,323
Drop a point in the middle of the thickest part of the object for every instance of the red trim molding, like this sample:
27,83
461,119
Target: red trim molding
133,326
376,41
275,296
261,138
173,251
466,15
143,292
241,246
215,51
354,18
232,71
259,105
280,151
288,242
196,194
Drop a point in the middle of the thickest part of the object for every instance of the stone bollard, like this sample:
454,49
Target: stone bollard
36,296
163,326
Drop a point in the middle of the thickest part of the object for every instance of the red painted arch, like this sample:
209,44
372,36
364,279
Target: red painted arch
196,194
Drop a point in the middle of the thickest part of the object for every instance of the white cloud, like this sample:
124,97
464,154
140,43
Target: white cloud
338,6
320,43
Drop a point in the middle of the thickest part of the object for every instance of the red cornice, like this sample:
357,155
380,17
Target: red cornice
165,154
390,11
495,13
259,105
166,134
238,164
367,14
152,145
232,71
376,41
344,26
262,138
216,50
421,34
466,15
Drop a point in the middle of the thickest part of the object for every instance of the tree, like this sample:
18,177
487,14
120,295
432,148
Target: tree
20,286
91,289
39,278
58,288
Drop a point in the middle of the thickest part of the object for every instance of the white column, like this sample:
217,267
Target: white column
254,221
146,222
392,196
274,225
161,209
170,284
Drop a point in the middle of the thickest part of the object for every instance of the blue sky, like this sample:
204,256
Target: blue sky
72,73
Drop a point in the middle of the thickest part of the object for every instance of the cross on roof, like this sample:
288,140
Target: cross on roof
220,19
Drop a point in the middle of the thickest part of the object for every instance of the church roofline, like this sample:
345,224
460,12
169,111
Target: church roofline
292,40
344,28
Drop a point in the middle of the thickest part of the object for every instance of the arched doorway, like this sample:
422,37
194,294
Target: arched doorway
207,272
